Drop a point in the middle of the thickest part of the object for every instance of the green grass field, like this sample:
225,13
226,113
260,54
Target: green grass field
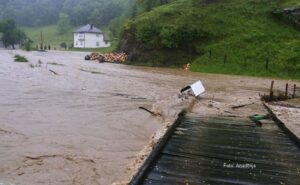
52,38
247,37
242,37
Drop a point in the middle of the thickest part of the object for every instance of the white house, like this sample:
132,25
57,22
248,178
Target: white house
89,36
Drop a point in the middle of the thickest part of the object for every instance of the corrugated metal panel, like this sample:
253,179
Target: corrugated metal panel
224,151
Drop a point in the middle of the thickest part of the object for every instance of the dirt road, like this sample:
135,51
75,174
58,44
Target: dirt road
82,125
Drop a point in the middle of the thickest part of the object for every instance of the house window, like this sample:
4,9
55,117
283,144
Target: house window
81,43
106,42
76,43
97,35
97,44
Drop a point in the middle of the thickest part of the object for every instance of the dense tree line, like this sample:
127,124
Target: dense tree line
31,12
47,12
73,13
11,35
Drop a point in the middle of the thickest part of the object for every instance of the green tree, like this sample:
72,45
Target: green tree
11,34
63,24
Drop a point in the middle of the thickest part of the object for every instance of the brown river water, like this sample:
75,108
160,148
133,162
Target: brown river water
83,125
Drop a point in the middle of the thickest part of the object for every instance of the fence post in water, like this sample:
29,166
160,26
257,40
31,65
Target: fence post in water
286,90
225,58
294,91
271,90
267,63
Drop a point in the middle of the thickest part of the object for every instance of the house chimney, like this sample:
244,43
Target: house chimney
92,26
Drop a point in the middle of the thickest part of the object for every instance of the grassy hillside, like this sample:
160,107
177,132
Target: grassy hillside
52,38
234,37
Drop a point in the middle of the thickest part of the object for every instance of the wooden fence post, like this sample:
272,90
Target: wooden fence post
294,91
286,90
271,90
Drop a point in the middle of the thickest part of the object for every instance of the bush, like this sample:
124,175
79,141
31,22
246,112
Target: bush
169,37
147,32
27,45
63,45
179,35
19,58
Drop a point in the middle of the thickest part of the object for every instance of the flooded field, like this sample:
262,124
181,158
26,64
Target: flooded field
66,121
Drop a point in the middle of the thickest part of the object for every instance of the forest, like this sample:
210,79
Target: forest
33,13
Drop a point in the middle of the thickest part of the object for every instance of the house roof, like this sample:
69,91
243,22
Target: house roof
89,28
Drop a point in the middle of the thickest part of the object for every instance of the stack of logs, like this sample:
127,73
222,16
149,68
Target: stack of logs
109,57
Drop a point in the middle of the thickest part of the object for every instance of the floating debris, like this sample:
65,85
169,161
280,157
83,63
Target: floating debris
196,89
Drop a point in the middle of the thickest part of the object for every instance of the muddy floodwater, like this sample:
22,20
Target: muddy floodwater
67,121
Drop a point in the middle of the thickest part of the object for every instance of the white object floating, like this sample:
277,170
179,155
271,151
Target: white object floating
197,88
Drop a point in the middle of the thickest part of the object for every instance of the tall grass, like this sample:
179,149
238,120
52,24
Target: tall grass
253,41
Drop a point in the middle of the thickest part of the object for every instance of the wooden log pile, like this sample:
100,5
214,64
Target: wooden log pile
108,57
115,57
96,56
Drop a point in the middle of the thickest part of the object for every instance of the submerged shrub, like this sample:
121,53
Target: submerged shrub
19,58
